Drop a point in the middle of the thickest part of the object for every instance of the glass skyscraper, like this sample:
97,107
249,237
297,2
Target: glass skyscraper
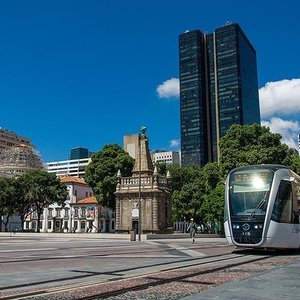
79,153
218,88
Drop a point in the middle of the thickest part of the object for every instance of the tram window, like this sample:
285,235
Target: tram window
296,205
282,210
249,192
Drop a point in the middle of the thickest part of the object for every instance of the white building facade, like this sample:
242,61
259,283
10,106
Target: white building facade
74,167
167,157
81,213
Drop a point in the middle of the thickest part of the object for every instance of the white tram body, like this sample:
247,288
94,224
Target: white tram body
262,207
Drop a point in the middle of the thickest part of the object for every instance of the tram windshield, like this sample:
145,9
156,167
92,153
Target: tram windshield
249,192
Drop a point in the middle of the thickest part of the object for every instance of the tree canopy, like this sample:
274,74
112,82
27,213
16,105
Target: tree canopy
101,172
191,186
41,189
199,192
253,144
10,198
33,191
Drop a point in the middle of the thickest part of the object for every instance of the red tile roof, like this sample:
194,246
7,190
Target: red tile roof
71,179
89,200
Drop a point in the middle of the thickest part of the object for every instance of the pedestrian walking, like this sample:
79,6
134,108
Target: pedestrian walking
192,229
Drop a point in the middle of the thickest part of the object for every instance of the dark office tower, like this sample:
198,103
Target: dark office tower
193,110
218,88
79,153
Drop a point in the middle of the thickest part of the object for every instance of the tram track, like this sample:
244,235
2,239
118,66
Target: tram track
163,281
165,265
126,281
5,260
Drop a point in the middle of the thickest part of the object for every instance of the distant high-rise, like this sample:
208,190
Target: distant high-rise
218,88
74,167
9,139
17,154
165,157
79,153
131,144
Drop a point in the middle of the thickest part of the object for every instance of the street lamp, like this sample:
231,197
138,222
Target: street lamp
141,136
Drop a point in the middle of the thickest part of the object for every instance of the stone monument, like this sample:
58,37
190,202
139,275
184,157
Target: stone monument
145,197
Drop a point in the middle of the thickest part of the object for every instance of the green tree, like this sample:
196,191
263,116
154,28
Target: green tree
251,144
41,189
162,168
9,198
188,188
211,176
101,172
292,160
176,177
212,208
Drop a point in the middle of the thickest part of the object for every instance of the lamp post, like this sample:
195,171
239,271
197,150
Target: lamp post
141,136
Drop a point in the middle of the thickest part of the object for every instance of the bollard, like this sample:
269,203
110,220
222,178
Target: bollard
132,235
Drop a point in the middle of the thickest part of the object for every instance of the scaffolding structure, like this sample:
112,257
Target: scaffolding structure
16,160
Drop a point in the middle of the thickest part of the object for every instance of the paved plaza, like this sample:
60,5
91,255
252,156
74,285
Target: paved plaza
278,284
47,260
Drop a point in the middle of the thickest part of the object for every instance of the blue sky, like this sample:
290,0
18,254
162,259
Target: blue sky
86,73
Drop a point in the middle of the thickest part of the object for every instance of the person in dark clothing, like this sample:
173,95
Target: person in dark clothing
192,229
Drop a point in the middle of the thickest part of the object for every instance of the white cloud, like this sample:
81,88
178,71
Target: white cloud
174,143
280,97
276,98
169,88
288,129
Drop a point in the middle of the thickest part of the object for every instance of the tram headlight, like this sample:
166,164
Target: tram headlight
235,226
259,226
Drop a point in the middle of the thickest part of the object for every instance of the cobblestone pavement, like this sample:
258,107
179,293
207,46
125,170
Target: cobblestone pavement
29,264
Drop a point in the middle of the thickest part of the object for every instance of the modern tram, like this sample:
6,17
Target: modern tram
262,204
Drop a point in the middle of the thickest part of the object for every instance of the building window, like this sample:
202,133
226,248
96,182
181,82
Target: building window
67,212
58,212
49,224
83,212
76,212
50,213
82,225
